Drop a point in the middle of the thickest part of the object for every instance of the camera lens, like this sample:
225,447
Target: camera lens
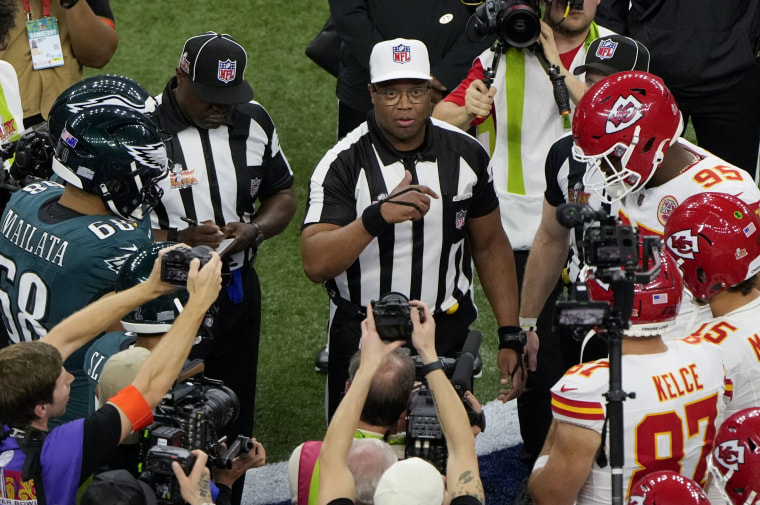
519,25
221,406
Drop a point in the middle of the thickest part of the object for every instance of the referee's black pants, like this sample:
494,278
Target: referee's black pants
345,332
234,356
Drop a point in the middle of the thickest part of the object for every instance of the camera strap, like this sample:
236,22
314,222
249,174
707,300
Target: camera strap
30,444
346,306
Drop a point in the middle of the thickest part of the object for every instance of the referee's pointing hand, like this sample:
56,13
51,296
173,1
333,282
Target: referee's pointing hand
407,202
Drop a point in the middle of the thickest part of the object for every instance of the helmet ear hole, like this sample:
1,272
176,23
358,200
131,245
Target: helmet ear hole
701,275
648,146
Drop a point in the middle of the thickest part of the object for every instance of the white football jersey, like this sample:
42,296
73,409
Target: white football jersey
669,425
738,335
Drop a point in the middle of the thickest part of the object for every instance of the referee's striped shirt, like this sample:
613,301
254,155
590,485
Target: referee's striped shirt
218,174
428,260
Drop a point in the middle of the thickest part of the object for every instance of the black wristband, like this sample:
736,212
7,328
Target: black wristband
68,4
172,235
374,221
512,337
431,367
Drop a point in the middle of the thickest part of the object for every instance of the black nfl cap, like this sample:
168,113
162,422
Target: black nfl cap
615,53
216,63
109,486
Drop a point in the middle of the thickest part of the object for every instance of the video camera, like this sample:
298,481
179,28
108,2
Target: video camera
615,250
516,23
424,436
33,152
392,317
186,419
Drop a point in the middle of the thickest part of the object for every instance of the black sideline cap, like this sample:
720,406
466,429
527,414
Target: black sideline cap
216,63
615,53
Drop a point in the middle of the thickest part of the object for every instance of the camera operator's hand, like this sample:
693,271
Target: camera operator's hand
438,91
423,332
531,350
196,487
374,349
513,372
255,458
477,407
205,233
549,46
407,202
478,99
204,284
243,233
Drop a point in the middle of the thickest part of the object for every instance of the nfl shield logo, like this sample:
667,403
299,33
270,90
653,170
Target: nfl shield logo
402,54
226,72
255,184
606,49
460,217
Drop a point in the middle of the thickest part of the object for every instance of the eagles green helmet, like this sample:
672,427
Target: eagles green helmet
158,315
94,91
116,153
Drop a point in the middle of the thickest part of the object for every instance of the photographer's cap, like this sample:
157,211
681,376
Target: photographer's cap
411,481
399,59
615,53
119,371
215,63
108,487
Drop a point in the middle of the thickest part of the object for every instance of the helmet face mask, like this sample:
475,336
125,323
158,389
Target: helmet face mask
115,153
622,128
697,234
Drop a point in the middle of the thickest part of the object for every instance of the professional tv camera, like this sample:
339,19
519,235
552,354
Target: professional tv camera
186,419
424,436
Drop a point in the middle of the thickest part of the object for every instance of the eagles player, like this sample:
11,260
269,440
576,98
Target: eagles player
61,247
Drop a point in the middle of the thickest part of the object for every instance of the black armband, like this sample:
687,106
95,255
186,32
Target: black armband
172,235
373,220
512,337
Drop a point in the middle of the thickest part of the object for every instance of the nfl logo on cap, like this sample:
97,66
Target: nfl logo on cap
606,49
402,54
226,71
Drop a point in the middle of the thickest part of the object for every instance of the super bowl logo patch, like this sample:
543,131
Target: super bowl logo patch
402,54
184,63
577,194
69,139
226,71
606,49
740,253
180,178
665,209
625,112
460,218
255,185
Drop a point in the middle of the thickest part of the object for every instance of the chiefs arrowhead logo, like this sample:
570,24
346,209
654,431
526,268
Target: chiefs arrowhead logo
624,114
636,500
683,244
729,454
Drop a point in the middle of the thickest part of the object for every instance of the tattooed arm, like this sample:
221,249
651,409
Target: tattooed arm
195,488
462,473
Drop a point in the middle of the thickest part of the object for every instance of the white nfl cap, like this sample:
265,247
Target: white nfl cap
411,481
399,59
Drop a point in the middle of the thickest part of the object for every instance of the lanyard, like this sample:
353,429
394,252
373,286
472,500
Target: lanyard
45,9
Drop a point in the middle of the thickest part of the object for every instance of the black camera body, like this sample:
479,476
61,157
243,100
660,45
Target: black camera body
424,435
516,23
186,419
175,264
392,317
158,473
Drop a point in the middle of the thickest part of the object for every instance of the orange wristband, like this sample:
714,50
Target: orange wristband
134,406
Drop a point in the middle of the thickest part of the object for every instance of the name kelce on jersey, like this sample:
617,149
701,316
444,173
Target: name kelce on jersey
47,246
670,386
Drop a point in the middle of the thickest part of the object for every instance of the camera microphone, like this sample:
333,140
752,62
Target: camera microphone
574,214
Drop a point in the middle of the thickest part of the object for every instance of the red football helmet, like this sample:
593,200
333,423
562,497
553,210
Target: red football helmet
655,305
622,128
667,487
734,462
715,238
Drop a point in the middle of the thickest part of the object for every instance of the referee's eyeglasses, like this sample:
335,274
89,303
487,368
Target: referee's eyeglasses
392,96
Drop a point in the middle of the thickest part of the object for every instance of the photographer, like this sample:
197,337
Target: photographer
336,486
526,121
61,460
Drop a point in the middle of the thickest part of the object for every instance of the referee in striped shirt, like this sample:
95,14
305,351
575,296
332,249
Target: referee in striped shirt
225,155
405,203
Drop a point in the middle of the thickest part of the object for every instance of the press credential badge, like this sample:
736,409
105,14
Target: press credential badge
44,43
